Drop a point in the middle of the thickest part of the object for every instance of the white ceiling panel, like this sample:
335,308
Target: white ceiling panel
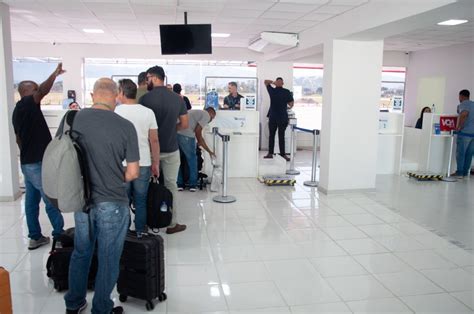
317,17
282,15
309,2
291,7
272,22
241,13
334,9
349,2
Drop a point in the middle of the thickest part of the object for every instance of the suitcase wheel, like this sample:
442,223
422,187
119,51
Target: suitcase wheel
123,298
149,305
162,297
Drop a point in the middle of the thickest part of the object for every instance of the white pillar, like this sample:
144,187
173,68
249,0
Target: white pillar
351,94
270,71
9,187
74,77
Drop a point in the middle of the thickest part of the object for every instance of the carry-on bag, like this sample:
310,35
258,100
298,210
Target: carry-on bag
159,205
5,292
142,269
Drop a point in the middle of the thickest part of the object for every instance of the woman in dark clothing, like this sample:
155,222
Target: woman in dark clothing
177,89
419,122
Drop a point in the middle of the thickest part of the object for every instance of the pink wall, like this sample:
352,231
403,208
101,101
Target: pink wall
455,63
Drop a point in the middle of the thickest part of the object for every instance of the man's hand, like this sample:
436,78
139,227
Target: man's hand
59,69
212,154
268,82
155,169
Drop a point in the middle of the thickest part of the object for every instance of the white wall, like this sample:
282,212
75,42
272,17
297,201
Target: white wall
455,64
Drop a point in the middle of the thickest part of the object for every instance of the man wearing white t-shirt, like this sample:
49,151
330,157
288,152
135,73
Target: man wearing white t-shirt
147,131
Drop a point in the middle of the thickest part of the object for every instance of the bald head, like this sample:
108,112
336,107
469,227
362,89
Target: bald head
105,91
27,88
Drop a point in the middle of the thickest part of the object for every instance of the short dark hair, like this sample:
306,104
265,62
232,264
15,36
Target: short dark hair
279,78
210,109
128,87
141,78
157,71
23,86
177,88
233,84
465,93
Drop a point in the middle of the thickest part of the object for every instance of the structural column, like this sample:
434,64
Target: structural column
9,187
351,94
268,70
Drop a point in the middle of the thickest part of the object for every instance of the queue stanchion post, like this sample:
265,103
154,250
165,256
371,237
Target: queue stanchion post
313,182
215,130
448,177
224,198
292,170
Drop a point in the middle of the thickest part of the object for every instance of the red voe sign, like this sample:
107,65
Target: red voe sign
447,124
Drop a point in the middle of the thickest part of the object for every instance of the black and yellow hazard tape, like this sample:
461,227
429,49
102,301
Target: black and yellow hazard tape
279,182
425,177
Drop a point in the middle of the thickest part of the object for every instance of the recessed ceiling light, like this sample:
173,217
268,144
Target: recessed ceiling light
452,22
220,35
93,30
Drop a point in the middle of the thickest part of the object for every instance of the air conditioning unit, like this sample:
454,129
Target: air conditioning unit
273,41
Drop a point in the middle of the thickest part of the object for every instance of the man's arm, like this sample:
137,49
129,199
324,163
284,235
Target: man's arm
226,103
155,151
132,171
267,82
201,141
462,119
18,141
291,104
183,122
46,86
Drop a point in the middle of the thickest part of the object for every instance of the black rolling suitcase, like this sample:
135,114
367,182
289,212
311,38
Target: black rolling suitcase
142,269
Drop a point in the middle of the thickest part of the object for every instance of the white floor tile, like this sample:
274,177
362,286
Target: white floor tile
456,255
451,280
363,219
285,310
230,273
235,254
231,238
298,269
466,297
252,295
380,230
196,299
399,243
268,237
24,303
382,263
344,233
324,308
410,228
432,241
390,305
308,235
424,260
408,283
362,246
191,275
199,255
292,223
338,266
358,288
435,303
268,252
306,291
331,222
321,249
10,260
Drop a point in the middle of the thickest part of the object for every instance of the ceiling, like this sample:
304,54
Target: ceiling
136,21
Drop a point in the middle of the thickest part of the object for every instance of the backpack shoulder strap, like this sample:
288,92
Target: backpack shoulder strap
66,123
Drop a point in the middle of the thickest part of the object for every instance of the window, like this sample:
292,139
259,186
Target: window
191,74
38,70
393,84
308,94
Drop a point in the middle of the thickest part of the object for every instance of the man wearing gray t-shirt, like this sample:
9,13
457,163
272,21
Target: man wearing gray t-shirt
171,115
107,139
465,140
198,119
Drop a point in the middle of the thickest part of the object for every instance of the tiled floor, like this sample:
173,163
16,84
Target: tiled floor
290,250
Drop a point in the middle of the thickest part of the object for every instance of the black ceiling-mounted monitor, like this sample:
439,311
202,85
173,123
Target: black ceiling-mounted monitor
186,39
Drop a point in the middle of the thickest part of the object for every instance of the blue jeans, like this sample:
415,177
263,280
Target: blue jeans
109,223
33,195
188,146
137,193
464,152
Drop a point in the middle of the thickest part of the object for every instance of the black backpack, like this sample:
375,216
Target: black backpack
159,205
57,266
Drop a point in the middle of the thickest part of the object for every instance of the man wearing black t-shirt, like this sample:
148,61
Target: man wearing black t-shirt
280,100
232,101
32,137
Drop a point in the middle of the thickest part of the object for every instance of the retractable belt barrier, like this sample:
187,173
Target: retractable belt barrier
292,170
224,198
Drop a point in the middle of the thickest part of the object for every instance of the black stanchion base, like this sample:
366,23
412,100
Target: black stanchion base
224,199
311,183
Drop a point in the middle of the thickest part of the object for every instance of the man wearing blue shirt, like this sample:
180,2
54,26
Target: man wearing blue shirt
465,141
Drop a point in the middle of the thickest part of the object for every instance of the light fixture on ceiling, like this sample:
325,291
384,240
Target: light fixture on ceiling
93,30
275,40
452,22
220,35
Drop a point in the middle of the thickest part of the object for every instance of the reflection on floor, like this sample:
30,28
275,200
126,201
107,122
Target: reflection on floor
292,250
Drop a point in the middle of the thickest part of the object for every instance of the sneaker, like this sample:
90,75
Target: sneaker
34,244
154,231
268,156
193,189
117,310
180,188
175,229
285,157
79,310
